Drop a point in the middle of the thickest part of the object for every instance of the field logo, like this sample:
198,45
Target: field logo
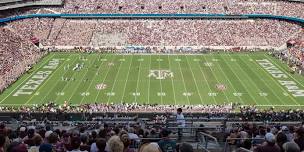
111,64
101,86
221,87
160,74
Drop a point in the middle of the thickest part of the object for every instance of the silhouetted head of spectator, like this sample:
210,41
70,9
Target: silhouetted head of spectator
281,138
2,140
53,138
101,144
17,147
84,139
179,110
124,137
300,132
165,133
75,142
291,147
37,140
102,133
45,148
94,134
30,133
41,132
116,130
150,147
115,144
58,132
270,138
185,147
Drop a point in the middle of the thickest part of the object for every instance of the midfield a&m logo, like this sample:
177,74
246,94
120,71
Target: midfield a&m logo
160,74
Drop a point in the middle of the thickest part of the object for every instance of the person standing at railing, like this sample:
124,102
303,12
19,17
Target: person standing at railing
180,120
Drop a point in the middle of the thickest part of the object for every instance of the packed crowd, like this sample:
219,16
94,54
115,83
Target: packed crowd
45,138
269,114
276,7
17,54
110,33
118,108
294,54
230,112
136,137
114,137
274,138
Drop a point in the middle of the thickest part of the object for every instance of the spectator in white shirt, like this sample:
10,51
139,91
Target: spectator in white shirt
180,119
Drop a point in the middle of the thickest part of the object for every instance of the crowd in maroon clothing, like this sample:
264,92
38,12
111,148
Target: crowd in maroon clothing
275,7
16,54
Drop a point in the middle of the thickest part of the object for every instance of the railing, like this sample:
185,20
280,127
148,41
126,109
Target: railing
228,147
205,140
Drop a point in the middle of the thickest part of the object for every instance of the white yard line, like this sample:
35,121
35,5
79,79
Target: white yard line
115,80
34,72
95,100
172,82
58,82
53,73
239,79
206,81
93,78
231,83
123,93
137,80
195,81
249,81
81,80
274,92
161,86
149,81
183,81
216,80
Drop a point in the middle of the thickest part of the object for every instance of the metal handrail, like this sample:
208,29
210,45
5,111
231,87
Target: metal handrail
204,140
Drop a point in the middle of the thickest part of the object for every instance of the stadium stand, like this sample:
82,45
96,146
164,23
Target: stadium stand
111,127
16,4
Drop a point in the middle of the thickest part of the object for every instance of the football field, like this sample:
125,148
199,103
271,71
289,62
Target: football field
219,78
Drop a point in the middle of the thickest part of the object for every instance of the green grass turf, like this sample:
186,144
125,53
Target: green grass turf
194,80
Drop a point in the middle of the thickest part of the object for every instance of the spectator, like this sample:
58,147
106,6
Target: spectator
181,123
281,139
269,145
115,144
150,147
286,131
291,147
166,144
124,137
185,147
46,148
2,142
84,143
101,144
299,139
75,144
